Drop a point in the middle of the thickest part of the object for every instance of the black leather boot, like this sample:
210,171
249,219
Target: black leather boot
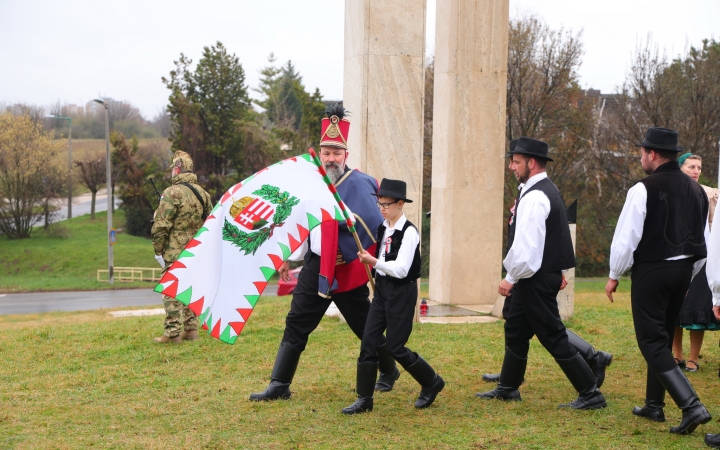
431,382
491,377
654,399
389,372
511,377
694,413
583,380
286,363
713,440
597,360
366,375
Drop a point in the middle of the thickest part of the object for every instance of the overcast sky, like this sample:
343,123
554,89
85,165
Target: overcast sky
74,50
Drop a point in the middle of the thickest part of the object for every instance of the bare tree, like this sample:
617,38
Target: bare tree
682,94
93,177
36,113
27,165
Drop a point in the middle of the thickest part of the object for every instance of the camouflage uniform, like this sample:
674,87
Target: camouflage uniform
177,220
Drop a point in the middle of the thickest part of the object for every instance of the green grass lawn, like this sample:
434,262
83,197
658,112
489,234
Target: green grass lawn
86,379
68,257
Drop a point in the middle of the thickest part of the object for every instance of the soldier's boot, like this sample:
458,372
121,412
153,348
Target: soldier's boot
168,340
365,384
511,377
597,360
654,399
286,363
389,372
694,413
190,335
583,380
429,380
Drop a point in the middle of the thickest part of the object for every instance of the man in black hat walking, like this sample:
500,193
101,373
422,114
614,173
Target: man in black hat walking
540,249
661,235
597,360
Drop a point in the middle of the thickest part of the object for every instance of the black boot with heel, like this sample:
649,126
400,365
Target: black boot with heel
365,386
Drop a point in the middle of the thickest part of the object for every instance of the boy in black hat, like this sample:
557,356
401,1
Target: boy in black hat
660,234
540,249
397,268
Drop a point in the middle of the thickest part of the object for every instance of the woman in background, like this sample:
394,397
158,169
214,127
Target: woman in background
696,314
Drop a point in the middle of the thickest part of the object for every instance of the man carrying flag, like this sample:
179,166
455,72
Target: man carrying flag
332,270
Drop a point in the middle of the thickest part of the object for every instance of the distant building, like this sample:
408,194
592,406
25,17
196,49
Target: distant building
608,102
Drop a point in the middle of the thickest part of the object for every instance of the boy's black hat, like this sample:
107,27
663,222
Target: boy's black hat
394,189
529,147
661,139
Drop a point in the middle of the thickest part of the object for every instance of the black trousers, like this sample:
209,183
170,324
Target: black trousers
306,311
533,311
392,309
657,293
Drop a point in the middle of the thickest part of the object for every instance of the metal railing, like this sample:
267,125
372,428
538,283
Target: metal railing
130,274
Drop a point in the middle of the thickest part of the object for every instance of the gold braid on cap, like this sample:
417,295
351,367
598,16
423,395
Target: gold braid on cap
333,132
335,113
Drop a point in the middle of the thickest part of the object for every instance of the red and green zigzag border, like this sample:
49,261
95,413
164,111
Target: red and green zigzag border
277,260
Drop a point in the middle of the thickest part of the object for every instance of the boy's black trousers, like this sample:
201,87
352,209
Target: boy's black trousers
308,308
392,309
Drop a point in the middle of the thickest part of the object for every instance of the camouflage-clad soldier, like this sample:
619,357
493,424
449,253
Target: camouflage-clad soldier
177,219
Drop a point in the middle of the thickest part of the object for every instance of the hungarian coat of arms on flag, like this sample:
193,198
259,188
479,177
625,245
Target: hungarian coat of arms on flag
255,227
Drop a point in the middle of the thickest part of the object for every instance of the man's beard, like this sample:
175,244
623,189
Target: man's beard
522,177
334,171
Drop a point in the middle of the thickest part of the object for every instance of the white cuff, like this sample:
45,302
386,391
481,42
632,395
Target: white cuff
510,279
716,301
614,276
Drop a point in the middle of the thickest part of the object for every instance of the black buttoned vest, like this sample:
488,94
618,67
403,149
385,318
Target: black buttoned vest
397,238
558,253
677,209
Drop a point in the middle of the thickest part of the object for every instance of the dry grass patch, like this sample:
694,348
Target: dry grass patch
78,380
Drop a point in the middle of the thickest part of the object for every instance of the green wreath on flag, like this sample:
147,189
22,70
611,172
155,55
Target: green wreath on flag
250,242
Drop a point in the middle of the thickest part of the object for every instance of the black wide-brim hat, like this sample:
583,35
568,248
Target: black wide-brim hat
661,139
394,189
529,147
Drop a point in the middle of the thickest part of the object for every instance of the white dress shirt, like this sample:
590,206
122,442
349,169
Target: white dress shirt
525,256
401,266
629,231
713,260
315,241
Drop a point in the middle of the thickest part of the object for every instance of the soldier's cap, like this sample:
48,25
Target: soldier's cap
183,161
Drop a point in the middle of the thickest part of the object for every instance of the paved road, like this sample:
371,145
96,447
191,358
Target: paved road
41,302
81,205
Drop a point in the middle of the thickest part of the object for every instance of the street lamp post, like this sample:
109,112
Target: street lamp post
69,119
108,181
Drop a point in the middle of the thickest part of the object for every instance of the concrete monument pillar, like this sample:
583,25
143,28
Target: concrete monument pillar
471,50
383,90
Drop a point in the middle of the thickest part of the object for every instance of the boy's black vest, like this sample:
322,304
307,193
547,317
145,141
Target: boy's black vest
558,253
677,208
397,238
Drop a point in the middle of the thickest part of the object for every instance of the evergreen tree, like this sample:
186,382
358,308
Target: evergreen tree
292,113
213,121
